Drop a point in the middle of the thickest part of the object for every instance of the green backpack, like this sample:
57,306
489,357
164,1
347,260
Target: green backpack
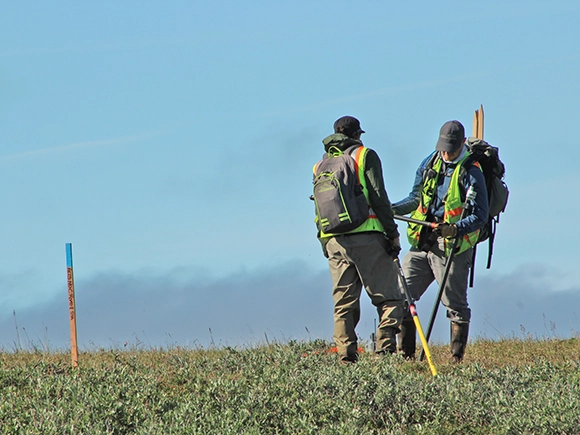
338,196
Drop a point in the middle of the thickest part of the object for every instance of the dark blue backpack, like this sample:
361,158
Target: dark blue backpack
497,191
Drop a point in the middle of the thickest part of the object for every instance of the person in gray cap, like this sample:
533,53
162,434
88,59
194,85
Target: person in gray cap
362,257
438,195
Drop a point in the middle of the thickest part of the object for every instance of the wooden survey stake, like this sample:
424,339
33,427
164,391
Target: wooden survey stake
478,123
74,350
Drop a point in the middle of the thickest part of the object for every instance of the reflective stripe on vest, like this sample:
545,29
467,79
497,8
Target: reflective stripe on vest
372,223
452,209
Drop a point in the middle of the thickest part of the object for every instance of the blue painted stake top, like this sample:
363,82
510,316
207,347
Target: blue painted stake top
69,262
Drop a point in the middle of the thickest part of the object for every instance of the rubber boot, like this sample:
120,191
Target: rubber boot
459,333
407,339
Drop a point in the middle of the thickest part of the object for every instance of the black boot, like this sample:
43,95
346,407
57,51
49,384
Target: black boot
459,333
407,339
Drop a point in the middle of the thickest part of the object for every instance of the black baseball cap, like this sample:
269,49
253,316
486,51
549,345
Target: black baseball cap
348,125
451,137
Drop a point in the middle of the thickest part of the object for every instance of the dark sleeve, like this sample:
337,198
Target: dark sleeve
410,203
480,213
378,198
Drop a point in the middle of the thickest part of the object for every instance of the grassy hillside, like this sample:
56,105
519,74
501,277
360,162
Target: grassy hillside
506,387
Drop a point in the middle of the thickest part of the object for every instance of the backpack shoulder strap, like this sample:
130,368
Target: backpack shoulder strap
470,160
428,164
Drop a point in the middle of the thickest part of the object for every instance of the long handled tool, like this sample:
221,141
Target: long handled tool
415,221
469,197
415,316
477,131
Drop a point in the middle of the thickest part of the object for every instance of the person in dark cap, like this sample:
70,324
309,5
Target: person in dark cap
360,257
349,126
438,194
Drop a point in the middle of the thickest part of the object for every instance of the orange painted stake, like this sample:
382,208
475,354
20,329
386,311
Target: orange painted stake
74,350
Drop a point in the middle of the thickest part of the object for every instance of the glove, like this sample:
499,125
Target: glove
393,247
447,230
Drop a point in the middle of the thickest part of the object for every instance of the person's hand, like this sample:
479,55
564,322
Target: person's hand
394,247
447,230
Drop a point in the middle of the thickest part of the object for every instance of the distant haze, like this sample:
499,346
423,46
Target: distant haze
291,302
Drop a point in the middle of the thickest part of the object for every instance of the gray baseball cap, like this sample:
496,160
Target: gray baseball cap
451,136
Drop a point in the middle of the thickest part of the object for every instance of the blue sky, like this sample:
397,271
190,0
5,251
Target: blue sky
172,144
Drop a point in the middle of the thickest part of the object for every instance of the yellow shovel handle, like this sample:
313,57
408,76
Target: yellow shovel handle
425,345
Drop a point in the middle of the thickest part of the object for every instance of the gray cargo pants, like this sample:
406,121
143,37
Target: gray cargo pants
358,260
422,268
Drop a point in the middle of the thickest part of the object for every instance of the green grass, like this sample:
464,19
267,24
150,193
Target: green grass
505,387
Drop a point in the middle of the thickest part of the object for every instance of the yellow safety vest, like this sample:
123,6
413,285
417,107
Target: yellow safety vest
452,211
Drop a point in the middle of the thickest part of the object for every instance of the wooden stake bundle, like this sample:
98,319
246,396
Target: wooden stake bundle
478,123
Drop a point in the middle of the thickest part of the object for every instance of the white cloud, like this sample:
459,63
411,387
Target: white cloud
72,147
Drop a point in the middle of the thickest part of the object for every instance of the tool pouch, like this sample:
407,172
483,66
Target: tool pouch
427,239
